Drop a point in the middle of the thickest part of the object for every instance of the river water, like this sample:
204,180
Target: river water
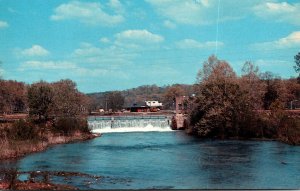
167,160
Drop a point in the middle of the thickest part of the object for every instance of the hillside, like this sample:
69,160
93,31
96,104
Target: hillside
146,92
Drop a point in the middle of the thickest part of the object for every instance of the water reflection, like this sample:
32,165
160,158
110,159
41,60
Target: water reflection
171,160
227,163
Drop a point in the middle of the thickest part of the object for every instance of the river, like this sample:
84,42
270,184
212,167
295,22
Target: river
170,160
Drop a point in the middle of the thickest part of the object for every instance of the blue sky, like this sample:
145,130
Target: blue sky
115,45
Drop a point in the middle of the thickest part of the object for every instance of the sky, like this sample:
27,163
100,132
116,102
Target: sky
119,44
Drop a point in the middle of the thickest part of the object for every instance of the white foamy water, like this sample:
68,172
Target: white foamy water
124,130
129,124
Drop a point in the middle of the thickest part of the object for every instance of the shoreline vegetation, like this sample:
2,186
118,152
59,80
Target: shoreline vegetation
53,113
13,149
225,106
253,105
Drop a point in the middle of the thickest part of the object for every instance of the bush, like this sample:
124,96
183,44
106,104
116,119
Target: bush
289,130
22,130
69,125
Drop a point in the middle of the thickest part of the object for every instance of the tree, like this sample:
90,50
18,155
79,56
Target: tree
67,100
40,100
252,85
297,66
274,89
12,96
171,94
220,106
114,101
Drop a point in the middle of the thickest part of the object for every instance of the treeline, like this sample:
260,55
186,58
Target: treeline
52,110
42,99
116,100
13,96
251,106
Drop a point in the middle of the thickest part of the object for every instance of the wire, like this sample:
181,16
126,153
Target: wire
217,32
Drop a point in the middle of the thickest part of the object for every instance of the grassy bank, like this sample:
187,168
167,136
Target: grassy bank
14,148
24,136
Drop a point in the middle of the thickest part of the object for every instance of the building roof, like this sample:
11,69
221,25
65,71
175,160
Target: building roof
139,104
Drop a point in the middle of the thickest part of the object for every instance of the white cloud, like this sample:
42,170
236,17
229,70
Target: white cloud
3,24
35,50
262,62
1,72
87,13
169,24
104,40
87,50
290,41
202,12
191,43
183,12
138,36
61,68
111,57
116,6
47,65
280,12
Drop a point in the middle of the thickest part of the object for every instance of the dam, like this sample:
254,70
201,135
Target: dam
107,124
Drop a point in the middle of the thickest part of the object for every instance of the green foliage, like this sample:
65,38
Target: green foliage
40,100
68,125
67,100
58,99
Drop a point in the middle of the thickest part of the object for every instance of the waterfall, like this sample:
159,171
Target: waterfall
105,124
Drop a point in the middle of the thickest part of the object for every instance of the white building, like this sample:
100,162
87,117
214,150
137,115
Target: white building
153,104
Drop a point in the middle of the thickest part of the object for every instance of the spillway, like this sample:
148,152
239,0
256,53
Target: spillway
107,124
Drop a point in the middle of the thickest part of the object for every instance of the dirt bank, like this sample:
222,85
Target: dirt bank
16,149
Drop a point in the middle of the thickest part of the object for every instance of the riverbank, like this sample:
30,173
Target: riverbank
23,137
16,149
41,180
20,185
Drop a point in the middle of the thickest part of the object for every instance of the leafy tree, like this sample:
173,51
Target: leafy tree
114,100
40,100
67,100
219,106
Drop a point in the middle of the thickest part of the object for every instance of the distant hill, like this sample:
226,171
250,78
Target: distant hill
142,93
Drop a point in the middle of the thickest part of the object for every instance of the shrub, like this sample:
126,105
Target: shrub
22,130
69,125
